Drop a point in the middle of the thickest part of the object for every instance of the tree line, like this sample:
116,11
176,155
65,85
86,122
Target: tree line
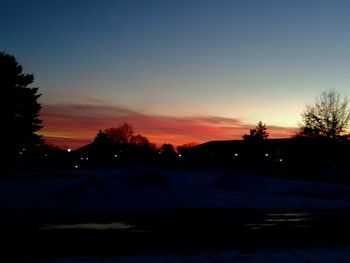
328,117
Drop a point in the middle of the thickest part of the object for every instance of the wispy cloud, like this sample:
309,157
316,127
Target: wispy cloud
114,17
77,124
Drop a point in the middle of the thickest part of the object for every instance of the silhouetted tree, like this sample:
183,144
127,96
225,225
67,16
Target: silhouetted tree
167,151
329,116
185,148
259,133
166,148
101,150
251,135
101,138
140,140
122,134
22,104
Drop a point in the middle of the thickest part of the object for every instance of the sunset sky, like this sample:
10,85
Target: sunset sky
178,71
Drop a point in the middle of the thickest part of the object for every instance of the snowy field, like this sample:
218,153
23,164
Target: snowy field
145,191
137,189
325,255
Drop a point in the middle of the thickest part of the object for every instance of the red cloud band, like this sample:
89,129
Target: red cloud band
75,125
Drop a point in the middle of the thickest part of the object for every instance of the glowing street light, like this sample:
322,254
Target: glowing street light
69,150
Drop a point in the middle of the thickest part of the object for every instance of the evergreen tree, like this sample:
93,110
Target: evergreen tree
23,106
101,138
259,133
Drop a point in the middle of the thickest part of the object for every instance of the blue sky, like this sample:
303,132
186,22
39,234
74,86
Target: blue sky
246,60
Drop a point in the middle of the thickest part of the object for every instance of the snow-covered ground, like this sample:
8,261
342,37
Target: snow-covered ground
319,255
152,189
142,189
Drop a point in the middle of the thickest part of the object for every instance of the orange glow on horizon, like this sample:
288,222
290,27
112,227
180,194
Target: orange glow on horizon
73,126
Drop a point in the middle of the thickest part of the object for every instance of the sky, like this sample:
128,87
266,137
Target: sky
178,71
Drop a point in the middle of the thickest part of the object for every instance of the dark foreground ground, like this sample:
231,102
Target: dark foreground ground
48,236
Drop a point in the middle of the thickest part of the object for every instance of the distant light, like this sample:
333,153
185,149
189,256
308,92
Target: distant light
76,166
81,158
180,155
236,154
159,152
20,153
69,150
87,158
281,160
23,149
45,154
266,154
116,155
